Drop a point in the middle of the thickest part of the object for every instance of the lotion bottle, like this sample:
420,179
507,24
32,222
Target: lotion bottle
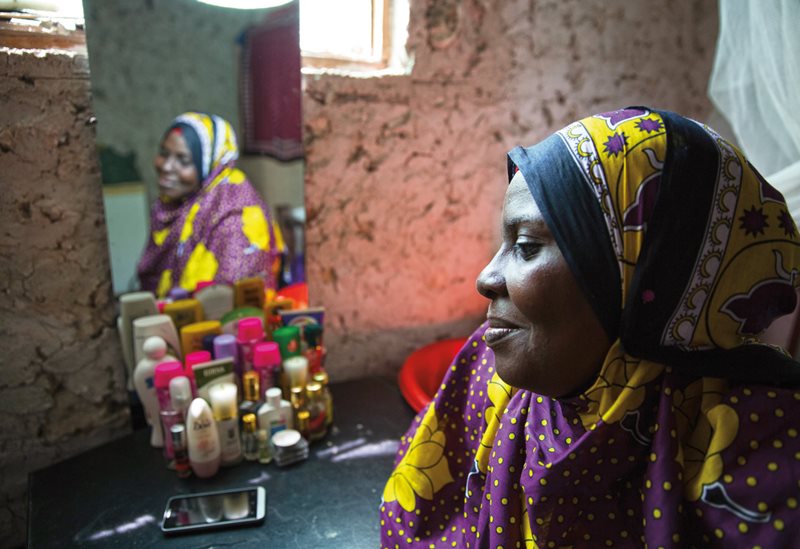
275,414
223,402
155,351
202,439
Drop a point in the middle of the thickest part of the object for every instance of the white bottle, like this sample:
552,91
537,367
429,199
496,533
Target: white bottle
155,352
226,412
202,439
180,395
275,414
216,299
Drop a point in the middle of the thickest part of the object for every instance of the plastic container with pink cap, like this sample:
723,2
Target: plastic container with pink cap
195,357
250,332
267,363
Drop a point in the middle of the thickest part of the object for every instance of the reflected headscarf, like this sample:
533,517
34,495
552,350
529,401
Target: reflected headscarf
685,253
223,232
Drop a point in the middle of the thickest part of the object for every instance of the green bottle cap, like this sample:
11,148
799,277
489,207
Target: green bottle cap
288,339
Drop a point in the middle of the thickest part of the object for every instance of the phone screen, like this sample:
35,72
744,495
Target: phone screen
214,509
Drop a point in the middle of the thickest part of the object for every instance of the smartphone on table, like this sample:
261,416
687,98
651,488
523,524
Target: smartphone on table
210,510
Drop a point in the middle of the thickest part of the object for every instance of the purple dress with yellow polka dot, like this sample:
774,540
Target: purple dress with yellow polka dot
688,437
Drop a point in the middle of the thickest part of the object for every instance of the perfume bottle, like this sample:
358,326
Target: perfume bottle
178,434
249,437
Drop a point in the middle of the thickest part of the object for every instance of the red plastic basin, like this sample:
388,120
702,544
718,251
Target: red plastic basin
423,370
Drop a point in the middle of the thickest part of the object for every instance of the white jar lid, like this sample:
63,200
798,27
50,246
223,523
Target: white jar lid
286,438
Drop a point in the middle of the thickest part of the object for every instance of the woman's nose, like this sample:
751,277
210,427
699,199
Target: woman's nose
491,283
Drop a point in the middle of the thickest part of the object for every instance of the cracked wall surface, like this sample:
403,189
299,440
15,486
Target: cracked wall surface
61,379
406,174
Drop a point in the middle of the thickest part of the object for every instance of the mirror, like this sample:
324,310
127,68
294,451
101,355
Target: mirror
151,60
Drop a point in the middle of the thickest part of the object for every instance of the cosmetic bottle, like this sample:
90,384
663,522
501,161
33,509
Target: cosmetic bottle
317,427
250,389
192,334
180,395
302,423
155,325
312,334
155,349
202,439
289,447
296,370
225,347
322,379
216,300
184,312
249,292
182,467
208,374
177,293
288,339
264,447
223,402
299,402
275,414
164,373
267,363
131,307
249,440
196,357
250,332
208,343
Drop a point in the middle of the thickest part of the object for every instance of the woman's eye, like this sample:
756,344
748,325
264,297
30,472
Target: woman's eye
526,249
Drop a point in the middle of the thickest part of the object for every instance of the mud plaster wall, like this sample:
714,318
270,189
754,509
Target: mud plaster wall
61,385
406,174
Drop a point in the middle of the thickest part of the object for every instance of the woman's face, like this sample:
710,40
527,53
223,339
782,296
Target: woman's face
543,332
177,175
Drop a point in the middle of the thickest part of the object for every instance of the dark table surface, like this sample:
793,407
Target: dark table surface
115,495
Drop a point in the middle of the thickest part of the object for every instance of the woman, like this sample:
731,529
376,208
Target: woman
623,398
208,224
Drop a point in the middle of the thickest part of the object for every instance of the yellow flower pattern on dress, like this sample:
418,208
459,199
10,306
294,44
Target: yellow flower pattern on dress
620,387
708,427
160,236
165,283
499,394
424,470
202,265
254,227
236,177
188,226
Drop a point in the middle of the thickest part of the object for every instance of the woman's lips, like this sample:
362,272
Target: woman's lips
493,336
498,330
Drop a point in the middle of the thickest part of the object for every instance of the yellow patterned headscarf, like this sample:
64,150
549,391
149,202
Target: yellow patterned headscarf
699,253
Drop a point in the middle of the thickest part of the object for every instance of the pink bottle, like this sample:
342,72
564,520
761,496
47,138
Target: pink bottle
250,332
267,363
195,357
164,372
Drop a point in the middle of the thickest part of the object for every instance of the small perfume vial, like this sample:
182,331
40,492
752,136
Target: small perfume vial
178,434
249,440
264,446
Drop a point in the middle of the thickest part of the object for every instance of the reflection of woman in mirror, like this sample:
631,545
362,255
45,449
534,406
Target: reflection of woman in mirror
618,395
209,223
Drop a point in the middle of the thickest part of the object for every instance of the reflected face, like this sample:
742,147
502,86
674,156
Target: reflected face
177,174
544,334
